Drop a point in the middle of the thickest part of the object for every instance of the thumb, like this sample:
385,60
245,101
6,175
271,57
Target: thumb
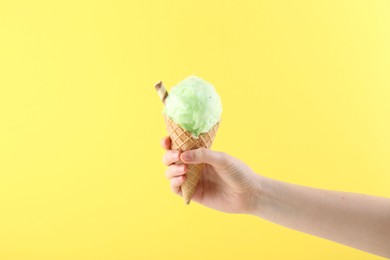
203,155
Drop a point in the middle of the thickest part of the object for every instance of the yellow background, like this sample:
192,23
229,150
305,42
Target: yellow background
306,92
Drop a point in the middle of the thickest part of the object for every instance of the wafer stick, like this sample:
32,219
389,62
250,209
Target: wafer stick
161,91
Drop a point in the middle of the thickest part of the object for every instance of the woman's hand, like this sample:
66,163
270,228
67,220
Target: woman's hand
227,184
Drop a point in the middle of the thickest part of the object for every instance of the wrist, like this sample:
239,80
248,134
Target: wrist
259,200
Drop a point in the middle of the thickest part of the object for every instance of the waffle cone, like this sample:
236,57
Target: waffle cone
183,140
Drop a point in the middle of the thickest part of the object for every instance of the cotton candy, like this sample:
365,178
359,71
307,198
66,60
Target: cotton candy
194,105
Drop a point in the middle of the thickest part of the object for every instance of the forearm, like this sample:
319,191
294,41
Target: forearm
356,220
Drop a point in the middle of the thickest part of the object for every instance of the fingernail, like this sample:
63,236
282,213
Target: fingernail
178,168
176,154
187,156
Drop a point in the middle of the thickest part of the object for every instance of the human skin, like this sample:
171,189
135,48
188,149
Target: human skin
229,185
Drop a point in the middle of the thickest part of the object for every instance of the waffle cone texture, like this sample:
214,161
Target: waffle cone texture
183,140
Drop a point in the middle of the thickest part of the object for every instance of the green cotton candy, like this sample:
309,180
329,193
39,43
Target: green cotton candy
194,105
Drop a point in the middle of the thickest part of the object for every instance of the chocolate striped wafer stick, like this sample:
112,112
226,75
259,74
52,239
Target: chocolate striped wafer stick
161,91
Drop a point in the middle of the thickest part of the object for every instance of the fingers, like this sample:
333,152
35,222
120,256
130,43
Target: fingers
166,143
203,155
176,182
170,157
175,171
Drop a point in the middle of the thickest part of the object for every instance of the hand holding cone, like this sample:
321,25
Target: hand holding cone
183,140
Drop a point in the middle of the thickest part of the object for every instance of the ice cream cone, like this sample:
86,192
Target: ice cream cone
183,140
